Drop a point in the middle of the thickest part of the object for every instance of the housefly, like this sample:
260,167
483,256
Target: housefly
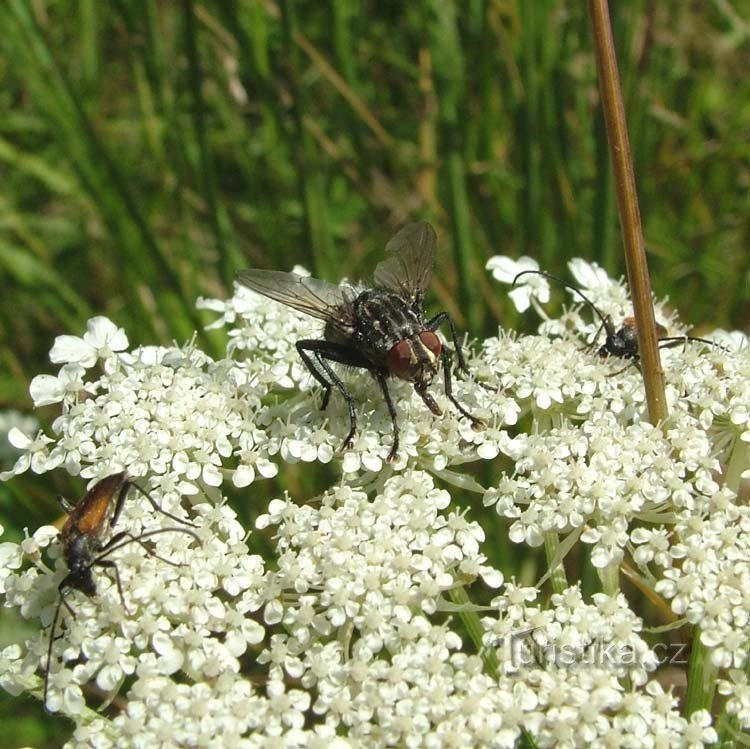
85,546
620,342
381,329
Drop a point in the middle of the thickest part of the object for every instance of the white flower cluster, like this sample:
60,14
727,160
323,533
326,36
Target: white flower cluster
188,607
568,663
706,575
596,478
398,679
172,412
421,554
354,630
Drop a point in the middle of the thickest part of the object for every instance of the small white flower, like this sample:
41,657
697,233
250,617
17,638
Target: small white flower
532,285
35,456
589,275
46,389
101,340
737,689
11,419
700,730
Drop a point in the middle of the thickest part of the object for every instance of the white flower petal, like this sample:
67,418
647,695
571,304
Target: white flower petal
19,440
102,333
589,275
521,297
212,475
73,349
505,269
45,390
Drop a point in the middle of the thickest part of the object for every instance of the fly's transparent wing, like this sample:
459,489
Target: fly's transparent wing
408,269
309,295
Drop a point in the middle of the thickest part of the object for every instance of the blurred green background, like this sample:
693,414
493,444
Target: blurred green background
150,149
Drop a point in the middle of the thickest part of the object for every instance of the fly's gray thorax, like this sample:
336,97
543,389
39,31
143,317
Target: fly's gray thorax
384,319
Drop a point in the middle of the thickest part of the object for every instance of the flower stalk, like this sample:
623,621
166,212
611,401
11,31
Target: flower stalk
738,464
610,579
701,677
558,578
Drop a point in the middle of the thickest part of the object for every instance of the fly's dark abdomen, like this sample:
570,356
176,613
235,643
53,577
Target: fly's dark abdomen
383,320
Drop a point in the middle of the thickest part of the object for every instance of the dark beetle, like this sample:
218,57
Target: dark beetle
84,545
381,329
621,342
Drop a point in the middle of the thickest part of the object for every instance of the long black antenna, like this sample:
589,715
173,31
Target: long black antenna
673,341
666,342
606,322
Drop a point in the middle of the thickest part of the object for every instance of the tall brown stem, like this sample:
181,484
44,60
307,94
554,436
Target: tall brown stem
627,202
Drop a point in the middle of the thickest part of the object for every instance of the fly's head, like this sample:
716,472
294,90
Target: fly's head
417,359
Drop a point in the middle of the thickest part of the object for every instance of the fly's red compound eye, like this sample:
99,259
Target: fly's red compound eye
399,358
431,342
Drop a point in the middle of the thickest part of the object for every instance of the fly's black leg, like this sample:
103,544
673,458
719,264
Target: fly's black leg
324,352
326,398
435,323
302,349
445,356
380,377
477,425
429,401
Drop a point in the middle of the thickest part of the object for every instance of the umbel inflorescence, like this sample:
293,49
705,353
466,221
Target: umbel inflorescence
354,629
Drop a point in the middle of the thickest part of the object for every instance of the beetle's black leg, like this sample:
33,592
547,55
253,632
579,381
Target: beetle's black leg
673,341
125,538
110,564
119,502
52,639
113,543
67,506
592,343
154,503
632,361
